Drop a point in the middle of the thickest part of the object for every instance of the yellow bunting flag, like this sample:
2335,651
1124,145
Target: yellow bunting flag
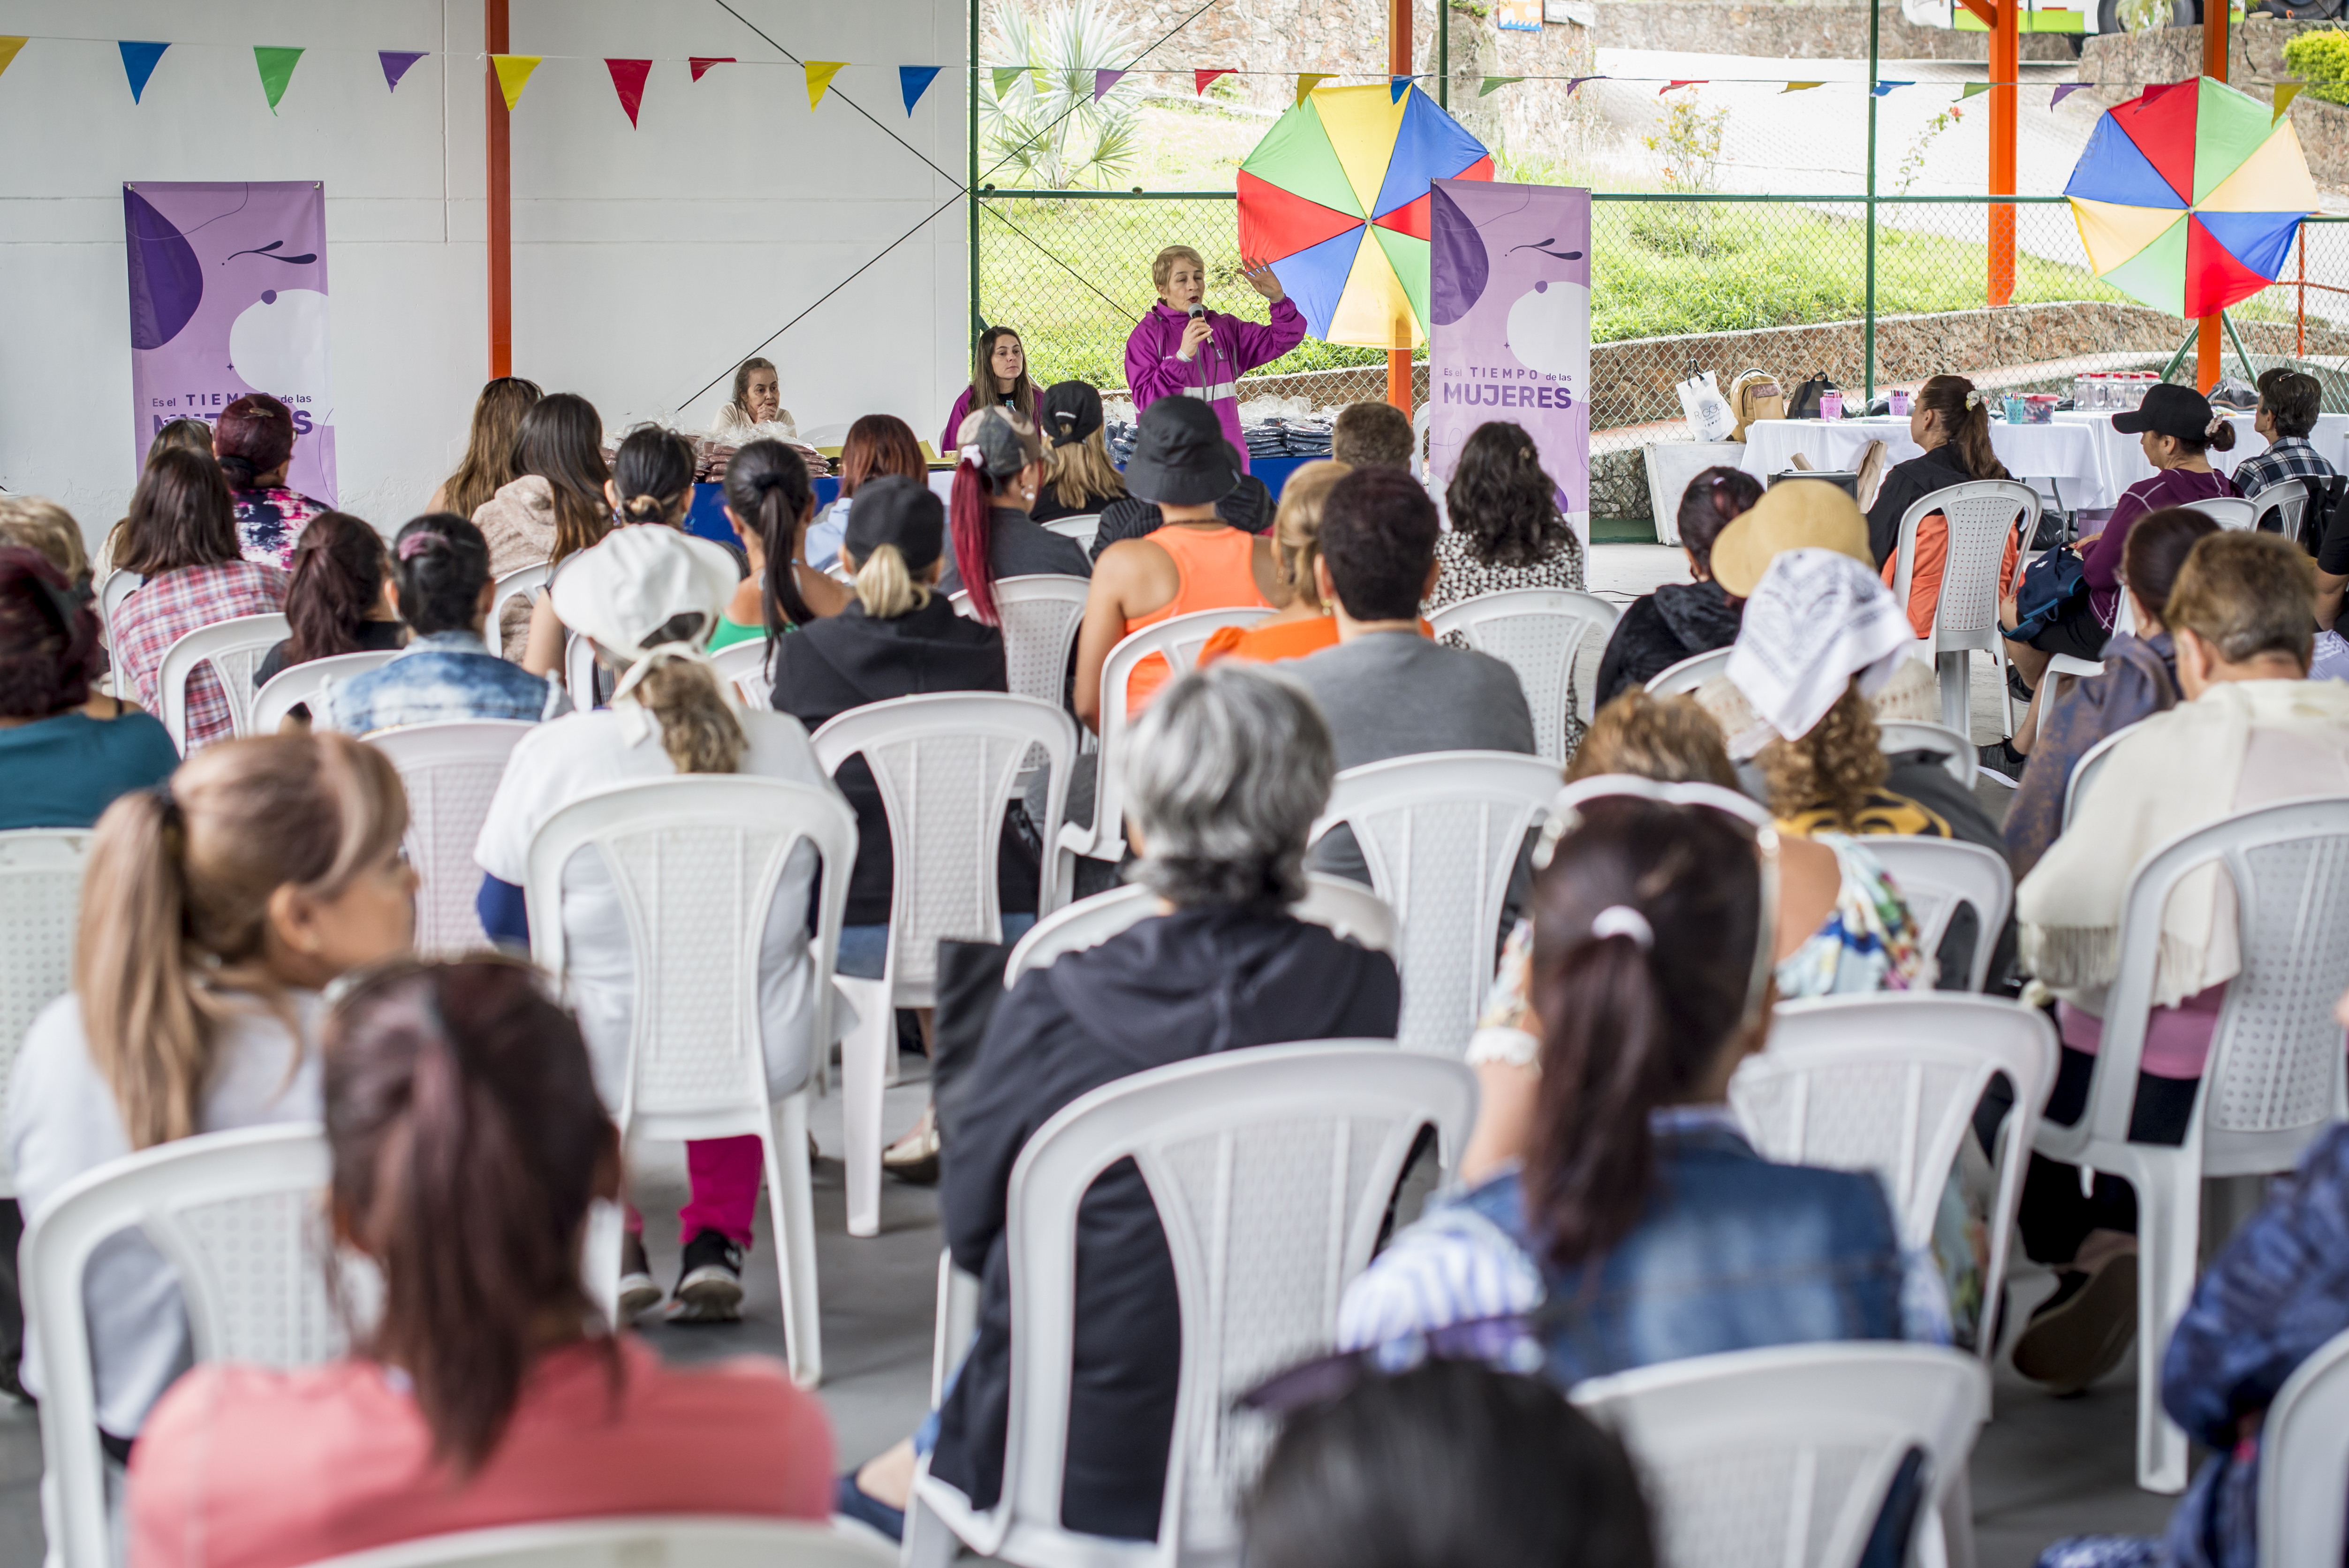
513,75
819,77
8,47
1799,87
2283,94
1308,80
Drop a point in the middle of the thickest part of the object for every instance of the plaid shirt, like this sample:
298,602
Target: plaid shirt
166,608
2289,457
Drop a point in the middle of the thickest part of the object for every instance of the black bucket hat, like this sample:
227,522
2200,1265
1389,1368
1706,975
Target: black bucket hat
2170,411
1072,410
1180,457
895,510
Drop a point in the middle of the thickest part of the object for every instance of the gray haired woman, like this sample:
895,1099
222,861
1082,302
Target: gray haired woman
1226,775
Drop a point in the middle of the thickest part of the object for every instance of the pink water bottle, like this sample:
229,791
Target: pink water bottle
1830,405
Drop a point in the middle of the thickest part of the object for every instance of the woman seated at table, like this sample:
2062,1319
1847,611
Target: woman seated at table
757,401
877,446
1953,424
2176,427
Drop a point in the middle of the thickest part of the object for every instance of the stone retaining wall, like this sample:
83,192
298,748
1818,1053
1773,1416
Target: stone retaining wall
1795,32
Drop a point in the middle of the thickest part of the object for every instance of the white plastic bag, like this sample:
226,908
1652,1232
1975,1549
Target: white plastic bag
1708,411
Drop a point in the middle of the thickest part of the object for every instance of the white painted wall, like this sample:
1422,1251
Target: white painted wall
646,261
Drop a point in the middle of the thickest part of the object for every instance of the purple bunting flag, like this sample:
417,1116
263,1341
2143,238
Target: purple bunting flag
2066,90
395,62
1103,81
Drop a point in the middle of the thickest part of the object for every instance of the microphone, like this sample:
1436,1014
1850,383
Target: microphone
1199,313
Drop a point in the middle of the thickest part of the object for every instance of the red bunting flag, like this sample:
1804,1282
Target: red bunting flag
701,63
629,81
1669,86
1200,79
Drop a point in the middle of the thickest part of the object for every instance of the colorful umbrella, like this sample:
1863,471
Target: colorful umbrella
2189,195
1336,197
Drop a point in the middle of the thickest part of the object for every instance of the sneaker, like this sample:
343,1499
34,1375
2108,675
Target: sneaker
2022,691
2081,1332
639,1292
914,1157
2002,759
709,1283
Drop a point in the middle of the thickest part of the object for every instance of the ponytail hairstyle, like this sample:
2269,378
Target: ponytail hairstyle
995,449
885,587
699,729
1647,922
653,471
1297,528
489,464
49,637
175,903
561,440
337,578
1965,421
768,488
254,437
441,564
180,515
1714,500
467,1145
877,446
983,394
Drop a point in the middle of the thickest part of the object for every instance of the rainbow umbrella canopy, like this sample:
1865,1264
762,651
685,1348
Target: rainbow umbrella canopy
2189,195
1336,197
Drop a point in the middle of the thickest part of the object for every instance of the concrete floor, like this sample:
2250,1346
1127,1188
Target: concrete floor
2043,1468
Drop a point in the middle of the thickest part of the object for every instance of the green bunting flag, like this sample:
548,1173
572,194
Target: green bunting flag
277,70
1493,83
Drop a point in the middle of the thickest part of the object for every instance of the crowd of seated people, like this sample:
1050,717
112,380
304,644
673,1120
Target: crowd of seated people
242,959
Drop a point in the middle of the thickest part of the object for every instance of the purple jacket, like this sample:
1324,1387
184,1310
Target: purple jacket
961,412
1152,372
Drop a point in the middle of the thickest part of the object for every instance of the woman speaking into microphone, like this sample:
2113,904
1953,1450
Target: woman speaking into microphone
1181,348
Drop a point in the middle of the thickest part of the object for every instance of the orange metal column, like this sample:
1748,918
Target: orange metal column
2005,70
501,188
2207,346
1398,65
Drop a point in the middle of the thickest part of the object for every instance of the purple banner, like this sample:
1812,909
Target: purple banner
1509,288
228,295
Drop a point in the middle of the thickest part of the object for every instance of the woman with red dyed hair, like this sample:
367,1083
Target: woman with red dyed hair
254,443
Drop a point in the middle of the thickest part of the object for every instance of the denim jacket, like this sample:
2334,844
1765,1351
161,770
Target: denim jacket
1733,1254
441,678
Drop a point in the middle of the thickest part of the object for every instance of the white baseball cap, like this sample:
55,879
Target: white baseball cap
631,585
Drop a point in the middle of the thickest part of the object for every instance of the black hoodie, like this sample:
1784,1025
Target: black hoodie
1172,988
850,659
1678,620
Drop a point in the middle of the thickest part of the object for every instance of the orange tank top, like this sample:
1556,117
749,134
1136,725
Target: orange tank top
1215,570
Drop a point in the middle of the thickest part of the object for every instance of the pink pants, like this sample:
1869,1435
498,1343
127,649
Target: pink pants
725,1174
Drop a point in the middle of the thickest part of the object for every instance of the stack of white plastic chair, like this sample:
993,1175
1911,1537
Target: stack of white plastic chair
451,773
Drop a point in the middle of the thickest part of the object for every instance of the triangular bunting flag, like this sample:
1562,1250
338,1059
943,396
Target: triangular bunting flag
819,77
1973,90
8,47
1103,81
1574,84
513,75
1884,89
1669,86
1396,87
277,69
1201,79
394,65
913,81
1799,87
1007,75
1492,83
2066,90
701,63
2284,94
1308,80
629,81
139,64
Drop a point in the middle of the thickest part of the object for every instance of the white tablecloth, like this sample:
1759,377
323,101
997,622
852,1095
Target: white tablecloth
2120,460
2066,454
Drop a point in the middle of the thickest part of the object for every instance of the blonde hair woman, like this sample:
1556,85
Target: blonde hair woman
1078,475
216,907
1303,624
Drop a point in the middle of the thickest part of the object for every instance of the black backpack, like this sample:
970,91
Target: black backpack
1805,402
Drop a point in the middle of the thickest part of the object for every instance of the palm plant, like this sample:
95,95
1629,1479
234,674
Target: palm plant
1044,130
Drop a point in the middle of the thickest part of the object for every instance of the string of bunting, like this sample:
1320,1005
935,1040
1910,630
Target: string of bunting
275,64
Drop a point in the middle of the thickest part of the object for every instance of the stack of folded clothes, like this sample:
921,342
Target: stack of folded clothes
1284,436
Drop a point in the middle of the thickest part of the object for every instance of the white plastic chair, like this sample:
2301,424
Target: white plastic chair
675,1542
1178,639
522,583
40,908
1441,834
1889,1083
2274,1079
2304,1461
1983,515
579,670
2085,771
2286,502
232,649
2066,665
1271,1169
1955,751
745,665
451,772
1083,529
119,585
944,764
1937,875
1346,907
1688,673
297,685
1540,633
1039,616
2231,513
1783,1456
695,861
241,1218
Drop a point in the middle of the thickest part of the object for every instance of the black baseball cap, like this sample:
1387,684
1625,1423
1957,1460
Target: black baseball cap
895,510
1180,457
2170,411
1072,411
